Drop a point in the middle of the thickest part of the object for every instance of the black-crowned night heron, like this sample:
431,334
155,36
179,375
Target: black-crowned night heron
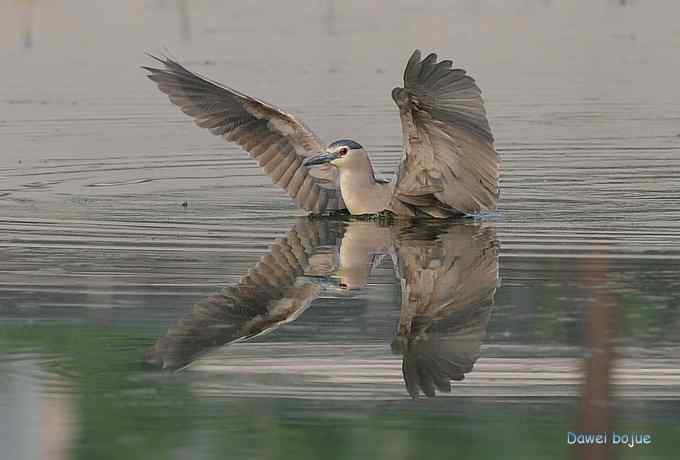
449,166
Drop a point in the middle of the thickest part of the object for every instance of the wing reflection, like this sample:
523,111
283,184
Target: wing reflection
448,277
448,274
280,287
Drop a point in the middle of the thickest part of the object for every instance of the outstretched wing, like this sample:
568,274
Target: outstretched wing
278,141
449,164
276,291
449,276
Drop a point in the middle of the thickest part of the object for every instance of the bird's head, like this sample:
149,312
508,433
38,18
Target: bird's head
338,153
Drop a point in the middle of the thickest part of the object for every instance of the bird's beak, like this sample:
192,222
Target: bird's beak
321,158
333,285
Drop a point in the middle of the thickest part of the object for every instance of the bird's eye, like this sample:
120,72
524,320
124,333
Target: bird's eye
342,152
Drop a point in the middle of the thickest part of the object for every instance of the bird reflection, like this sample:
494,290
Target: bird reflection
448,273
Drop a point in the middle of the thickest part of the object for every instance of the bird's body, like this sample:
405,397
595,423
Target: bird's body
449,166
358,174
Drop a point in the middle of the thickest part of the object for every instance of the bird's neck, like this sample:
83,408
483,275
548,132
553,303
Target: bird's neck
361,249
359,189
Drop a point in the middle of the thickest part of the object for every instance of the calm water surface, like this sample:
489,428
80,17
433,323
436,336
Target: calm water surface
561,311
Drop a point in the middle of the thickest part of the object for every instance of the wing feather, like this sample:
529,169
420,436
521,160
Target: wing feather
275,138
278,289
449,274
449,164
